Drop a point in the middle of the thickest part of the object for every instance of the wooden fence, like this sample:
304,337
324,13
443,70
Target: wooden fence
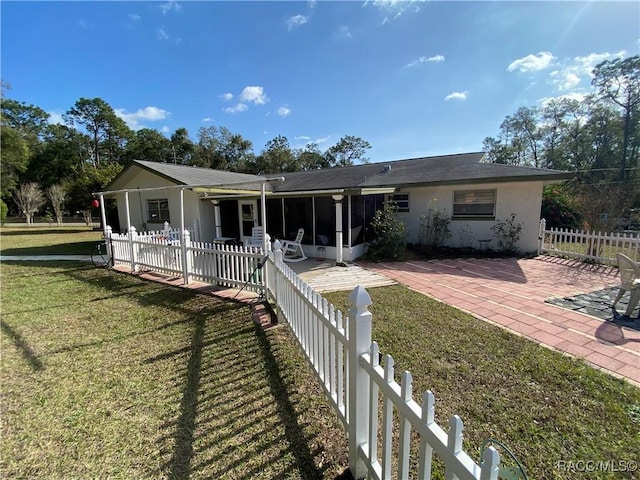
584,245
340,351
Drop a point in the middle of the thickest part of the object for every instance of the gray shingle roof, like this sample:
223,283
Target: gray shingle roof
187,175
447,169
466,168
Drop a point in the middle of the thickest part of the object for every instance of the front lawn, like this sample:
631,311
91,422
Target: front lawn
108,376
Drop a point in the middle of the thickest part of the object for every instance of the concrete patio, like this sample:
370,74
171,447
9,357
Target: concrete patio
511,293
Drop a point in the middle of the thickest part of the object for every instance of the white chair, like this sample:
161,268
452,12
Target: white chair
257,237
630,282
292,249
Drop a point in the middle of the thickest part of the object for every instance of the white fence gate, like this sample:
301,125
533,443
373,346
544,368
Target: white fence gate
597,246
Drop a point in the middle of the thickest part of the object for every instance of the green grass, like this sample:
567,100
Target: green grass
108,376
545,406
38,240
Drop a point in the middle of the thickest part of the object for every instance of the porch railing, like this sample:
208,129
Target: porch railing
599,247
378,413
224,265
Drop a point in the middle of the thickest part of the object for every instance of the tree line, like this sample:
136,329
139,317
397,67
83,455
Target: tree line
92,145
598,137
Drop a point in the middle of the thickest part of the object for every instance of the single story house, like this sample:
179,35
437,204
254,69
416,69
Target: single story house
335,206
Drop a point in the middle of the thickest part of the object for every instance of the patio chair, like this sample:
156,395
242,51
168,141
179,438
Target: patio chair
292,249
257,237
630,282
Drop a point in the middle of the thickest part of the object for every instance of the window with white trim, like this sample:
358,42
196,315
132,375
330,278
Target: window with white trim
158,210
401,200
470,204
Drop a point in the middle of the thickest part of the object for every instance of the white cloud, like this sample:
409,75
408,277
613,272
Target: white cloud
572,72
227,96
165,129
532,63
284,111
343,32
457,95
82,24
392,9
579,96
151,114
207,119
253,94
170,5
296,21
134,16
302,137
425,59
55,117
240,107
162,35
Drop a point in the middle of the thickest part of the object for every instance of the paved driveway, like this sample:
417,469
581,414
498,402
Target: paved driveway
512,292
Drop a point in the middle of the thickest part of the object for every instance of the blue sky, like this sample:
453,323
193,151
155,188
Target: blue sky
412,78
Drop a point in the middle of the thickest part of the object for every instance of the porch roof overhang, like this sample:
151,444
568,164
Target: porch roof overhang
256,187
213,194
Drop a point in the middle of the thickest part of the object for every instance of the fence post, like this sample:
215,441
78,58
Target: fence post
134,257
277,261
541,229
186,258
358,408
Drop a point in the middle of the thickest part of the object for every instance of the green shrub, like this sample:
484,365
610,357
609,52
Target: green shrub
3,212
390,239
434,229
557,208
507,233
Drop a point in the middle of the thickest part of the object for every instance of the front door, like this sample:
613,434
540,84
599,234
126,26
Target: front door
248,213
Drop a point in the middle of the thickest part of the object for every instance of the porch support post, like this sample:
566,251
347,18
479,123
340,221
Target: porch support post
126,204
216,217
338,199
263,215
184,240
103,215
182,209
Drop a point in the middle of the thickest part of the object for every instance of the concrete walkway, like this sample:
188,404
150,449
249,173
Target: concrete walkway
511,293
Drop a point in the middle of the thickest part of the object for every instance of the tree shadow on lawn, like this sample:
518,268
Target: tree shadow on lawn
40,230
22,346
235,417
71,248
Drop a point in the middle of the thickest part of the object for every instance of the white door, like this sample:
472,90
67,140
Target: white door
248,213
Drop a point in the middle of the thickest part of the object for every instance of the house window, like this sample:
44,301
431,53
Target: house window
401,200
158,210
474,204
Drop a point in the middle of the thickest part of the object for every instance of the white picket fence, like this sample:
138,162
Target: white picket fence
338,348
346,363
177,255
585,245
